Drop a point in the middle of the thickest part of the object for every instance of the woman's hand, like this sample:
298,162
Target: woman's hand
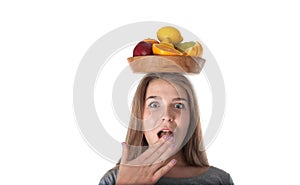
149,167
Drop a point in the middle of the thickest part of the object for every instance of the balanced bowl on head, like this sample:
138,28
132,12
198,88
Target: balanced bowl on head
172,64
166,54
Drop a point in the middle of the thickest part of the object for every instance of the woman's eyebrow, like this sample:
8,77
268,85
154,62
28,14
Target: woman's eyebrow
180,99
151,97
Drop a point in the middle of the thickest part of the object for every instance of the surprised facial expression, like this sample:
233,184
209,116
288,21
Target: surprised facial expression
166,112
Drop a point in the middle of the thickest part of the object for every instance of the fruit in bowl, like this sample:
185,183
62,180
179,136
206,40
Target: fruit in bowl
169,34
191,48
153,41
143,48
163,49
167,53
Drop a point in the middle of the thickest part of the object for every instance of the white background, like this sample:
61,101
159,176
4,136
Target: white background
256,44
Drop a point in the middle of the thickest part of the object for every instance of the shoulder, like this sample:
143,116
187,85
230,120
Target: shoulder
220,174
215,170
110,177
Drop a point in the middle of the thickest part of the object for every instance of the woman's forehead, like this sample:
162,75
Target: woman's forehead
163,87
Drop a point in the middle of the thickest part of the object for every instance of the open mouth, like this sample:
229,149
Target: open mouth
163,132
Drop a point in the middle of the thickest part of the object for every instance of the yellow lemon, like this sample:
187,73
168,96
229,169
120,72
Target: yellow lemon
163,49
169,34
168,44
192,48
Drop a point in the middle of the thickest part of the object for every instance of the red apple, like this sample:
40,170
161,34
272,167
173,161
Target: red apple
142,49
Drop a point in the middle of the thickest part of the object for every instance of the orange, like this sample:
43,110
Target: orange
152,41
163,49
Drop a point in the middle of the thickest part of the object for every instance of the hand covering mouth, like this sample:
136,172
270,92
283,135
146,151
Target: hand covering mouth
163,132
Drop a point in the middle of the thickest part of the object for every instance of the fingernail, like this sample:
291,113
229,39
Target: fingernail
173,146
123,143
165,137
174,161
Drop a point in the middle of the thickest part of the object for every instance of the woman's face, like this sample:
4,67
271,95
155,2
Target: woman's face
166,112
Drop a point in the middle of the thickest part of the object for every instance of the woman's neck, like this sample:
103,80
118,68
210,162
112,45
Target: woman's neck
179,159
182,169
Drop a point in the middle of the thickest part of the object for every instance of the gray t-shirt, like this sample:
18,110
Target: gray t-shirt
213,176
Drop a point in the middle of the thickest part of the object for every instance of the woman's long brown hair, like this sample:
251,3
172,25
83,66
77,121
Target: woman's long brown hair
193,147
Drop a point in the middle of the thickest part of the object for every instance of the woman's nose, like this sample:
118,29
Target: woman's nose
168,115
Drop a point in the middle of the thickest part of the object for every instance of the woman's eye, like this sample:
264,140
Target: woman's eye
153,105
179,106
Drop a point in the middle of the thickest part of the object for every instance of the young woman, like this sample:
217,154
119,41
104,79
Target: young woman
164,140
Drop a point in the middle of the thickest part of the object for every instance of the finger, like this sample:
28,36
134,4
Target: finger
163,170
161,153
166,154
151,149
124,153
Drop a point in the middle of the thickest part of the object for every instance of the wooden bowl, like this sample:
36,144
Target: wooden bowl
166,64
